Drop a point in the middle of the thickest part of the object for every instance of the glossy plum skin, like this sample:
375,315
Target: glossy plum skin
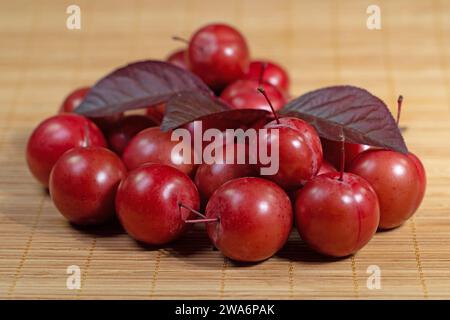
54,136
274,74
422,178
396,180
300,152
244,94
108,122
74,99
332,152
337,218
209,177
83,184
147,203
201,126
156,113
255,219
259,124
179,58
326,167
218,54
120,134
154,146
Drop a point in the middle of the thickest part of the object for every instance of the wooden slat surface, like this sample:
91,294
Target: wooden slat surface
321,43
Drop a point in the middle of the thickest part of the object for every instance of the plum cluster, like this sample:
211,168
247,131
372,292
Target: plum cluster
338,194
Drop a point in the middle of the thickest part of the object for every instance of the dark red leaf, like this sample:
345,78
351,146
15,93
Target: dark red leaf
187,107
138,85
363,117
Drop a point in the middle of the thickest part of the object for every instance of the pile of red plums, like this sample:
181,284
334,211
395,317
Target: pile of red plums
122,166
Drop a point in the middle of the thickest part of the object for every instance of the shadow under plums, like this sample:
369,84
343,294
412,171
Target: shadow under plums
110,229
193,242
386,231
243,265
296,250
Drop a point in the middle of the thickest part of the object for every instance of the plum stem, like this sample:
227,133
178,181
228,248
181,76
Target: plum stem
197,48
263,92
261,74
181,205
399,108
341,172
201,215
86,140
206,220
176,38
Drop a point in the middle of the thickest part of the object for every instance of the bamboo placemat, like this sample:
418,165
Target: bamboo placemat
321,43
